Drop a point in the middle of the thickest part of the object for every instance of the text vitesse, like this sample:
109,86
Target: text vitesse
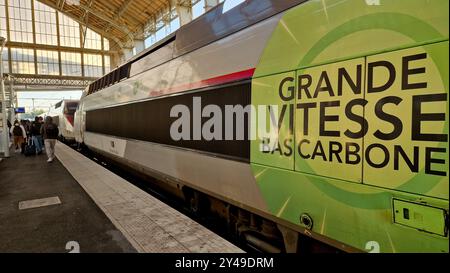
307,96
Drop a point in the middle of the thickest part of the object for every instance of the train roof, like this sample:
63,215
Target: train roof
215,25
208,28
58,104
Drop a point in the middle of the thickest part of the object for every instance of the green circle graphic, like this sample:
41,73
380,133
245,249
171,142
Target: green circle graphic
387,21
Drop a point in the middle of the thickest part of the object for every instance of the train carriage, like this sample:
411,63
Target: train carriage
301,123
63,115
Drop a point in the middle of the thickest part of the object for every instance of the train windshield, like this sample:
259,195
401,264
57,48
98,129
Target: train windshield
71,107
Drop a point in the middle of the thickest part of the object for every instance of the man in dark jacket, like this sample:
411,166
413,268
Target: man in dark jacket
36,135
49,132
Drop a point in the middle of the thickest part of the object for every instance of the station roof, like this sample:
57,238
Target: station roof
121,21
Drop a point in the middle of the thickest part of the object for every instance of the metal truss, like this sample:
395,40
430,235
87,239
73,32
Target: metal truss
35,81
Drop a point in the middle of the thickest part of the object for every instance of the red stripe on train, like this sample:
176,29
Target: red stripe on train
241,75
69,119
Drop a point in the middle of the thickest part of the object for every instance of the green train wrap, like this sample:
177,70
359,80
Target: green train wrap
360,139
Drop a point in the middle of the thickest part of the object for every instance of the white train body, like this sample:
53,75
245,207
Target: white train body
175,70
63,115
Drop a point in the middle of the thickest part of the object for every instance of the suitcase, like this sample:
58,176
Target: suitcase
22,147
30,149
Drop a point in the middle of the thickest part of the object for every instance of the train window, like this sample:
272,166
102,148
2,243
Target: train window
115,121
99,87
114,76
95,87
107,80
103,82
121,71
125,71
111,78
71,107
58,104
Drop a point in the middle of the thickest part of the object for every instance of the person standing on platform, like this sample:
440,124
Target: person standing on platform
19,134
49,132
41,122
36,135
24,123
9,128
27,126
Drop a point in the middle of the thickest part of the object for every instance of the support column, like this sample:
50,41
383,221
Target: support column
13,100
4,141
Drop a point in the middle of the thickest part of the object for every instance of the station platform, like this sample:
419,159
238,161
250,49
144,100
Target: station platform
97,209
51,226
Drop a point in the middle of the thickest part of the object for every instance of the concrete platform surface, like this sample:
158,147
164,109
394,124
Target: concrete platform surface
51,227
149,224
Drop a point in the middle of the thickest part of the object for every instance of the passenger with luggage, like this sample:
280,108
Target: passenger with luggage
29,149
27,126
49,132
19,135
36,135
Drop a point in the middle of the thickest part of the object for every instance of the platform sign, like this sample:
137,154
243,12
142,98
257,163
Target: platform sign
20,110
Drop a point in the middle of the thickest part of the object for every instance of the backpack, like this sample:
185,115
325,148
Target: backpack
17,131
36,128
51,130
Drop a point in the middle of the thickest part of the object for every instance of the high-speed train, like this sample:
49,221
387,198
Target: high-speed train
301,124
63,115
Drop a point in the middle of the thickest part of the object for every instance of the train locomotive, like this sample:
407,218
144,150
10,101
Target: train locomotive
304,125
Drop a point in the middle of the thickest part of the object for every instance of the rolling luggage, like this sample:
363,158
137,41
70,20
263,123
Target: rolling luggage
30,149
